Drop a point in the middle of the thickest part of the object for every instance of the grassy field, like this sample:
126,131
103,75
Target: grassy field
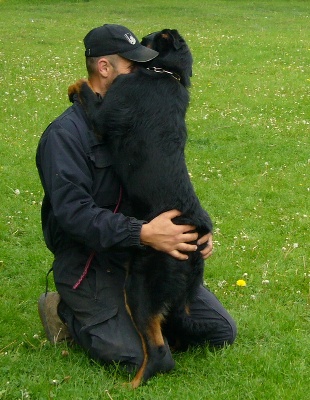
248,153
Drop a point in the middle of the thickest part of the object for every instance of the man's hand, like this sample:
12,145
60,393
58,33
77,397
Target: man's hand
207,241
163,235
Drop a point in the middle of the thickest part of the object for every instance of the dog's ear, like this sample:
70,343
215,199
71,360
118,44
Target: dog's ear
177,42
173,36
148,40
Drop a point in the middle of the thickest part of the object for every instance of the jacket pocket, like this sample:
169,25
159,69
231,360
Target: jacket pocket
106,186
96,320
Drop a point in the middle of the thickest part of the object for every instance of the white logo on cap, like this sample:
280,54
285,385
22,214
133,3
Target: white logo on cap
130,38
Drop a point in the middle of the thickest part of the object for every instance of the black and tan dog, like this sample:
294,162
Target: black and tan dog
142,119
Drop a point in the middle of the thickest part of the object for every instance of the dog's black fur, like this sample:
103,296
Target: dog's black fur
142,118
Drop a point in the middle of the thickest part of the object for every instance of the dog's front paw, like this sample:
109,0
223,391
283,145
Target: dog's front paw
83,89
75,88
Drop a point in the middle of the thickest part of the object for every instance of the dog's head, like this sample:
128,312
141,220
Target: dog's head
174,54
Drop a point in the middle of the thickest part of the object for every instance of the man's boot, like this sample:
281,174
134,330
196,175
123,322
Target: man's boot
55,330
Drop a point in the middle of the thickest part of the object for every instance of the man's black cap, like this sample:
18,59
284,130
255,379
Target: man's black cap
116,39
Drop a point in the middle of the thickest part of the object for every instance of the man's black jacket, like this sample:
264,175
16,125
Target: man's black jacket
81,190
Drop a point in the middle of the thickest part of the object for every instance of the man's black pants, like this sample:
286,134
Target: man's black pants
97,318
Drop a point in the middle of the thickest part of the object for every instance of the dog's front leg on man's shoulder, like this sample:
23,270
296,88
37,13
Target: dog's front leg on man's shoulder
75,89
88,97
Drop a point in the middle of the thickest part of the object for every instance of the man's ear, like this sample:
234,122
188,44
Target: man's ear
103,67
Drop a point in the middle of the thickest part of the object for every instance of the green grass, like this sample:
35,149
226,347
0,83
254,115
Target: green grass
248,153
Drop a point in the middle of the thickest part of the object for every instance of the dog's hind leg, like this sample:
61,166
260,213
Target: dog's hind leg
156,352
157,355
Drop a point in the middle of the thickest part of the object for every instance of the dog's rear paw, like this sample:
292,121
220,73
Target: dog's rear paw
159,360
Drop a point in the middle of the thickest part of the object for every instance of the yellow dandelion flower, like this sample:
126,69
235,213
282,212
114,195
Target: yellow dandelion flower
241,282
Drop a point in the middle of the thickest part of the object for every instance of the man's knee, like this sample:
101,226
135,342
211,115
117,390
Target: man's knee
216,333
211,320
108,350
207,322
225,334
107,342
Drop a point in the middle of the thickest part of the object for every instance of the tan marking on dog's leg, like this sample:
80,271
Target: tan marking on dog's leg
187,310
154,330
137,380
139,375
156,338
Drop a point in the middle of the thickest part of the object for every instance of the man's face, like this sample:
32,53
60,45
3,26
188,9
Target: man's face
124,66
119,66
